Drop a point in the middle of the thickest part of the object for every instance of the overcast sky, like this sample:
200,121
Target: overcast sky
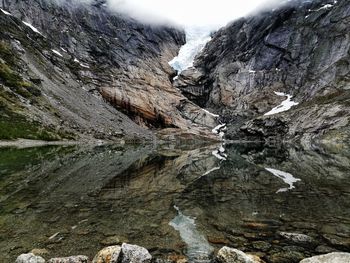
191,12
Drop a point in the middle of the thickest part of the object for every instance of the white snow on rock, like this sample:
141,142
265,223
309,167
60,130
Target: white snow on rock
220,130
31,27
284,106
57,53
81,64
220,153
286,177
327,6
212,114
196,39
211,170
5,12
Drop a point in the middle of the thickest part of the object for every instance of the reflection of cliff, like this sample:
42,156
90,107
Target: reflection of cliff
87,195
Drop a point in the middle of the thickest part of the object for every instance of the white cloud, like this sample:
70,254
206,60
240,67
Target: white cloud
190,12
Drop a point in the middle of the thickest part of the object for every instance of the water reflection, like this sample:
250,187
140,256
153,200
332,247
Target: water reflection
198,248
73,200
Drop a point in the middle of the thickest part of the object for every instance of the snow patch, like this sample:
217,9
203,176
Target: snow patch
32,27
212,114
81,64
57,53
220,130
286,177
220,153
284,106
196,39
5,12
327,6
211,170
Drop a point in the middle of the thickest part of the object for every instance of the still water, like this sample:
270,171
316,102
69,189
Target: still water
176,203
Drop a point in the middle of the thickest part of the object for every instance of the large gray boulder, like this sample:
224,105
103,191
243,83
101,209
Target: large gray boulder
29,258
135,254
336,257
73,259
231,255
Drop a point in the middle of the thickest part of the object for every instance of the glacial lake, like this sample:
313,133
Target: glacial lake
76,200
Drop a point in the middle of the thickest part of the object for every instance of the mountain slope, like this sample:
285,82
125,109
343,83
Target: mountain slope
301,49
83,59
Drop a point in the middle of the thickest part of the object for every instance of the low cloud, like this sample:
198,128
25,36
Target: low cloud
191,12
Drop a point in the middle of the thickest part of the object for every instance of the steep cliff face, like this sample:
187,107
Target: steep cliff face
300,49
95,73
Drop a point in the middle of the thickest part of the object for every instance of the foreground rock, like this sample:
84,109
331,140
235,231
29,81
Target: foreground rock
73,259
108,255
231,255
135,254
29,258
125,254
336,257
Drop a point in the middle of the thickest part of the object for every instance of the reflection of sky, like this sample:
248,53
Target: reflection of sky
197,244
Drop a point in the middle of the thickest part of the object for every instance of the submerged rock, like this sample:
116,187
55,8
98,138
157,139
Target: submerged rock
231,255
135,254
108,255
73,259
336,257
297,238
29,258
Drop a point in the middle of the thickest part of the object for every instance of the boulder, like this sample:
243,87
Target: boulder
336,257
29,258
73,259
231,255
135,254
108,255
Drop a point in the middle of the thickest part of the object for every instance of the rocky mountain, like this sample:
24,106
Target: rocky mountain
301,49
78,70
82,71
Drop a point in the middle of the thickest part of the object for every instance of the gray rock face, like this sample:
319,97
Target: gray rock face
301,49
87,59
135,254
73,259
29,258
231,255
337,257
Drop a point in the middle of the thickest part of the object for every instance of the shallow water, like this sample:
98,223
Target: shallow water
72,200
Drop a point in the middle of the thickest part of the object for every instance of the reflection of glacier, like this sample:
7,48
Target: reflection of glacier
286,177
198,248
196,38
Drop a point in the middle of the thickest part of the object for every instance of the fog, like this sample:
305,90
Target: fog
191,12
